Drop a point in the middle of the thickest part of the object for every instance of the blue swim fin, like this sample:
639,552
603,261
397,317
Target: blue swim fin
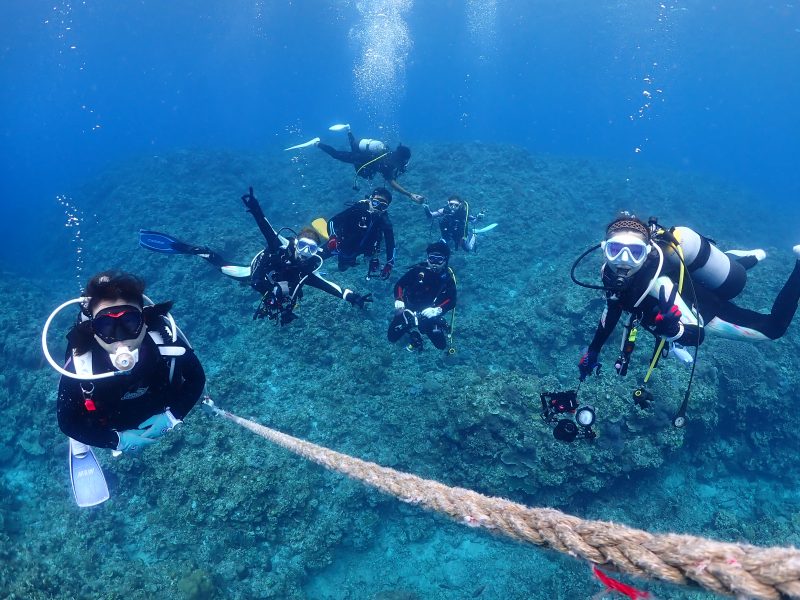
161,242
88,482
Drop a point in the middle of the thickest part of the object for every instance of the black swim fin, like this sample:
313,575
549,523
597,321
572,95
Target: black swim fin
161,242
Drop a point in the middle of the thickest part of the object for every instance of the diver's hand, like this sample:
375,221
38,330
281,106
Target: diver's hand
158,425
132,440
418,198
357,299
250,202
387,270
399,305
668,315
427,209
588,363
431,312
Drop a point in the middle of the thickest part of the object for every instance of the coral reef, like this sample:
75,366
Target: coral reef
212,512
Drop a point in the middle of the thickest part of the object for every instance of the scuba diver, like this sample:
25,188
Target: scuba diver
278,272
129,377
454,221
358,231
422,296
644,273
368,158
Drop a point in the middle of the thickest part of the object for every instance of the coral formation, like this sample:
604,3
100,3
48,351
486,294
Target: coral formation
214,512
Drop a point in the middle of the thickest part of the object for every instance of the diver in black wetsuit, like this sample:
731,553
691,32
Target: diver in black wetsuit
163,379
422,296
278,272
642,275
369,157
454,221
358,231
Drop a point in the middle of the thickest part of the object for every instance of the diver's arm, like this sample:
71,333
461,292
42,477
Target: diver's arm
447,301
691,332
608,321
418,198
388,236
194,380
254,208
320,283
434,214
406,281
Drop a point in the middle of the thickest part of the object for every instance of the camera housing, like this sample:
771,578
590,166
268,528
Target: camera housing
572,421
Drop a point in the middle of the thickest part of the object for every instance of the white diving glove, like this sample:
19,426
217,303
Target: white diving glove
433,311
399,305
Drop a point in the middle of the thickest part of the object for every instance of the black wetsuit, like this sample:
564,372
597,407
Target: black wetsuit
279,275
420,288
453,225
124,402
366,164
359,231
718,316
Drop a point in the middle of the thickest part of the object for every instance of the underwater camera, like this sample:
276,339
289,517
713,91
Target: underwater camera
558,406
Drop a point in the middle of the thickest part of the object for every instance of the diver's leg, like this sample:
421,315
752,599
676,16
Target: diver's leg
436,330
397,328
747,258
226,267
733,322
342,155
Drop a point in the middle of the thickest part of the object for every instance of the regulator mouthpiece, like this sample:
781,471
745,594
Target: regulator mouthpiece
124,359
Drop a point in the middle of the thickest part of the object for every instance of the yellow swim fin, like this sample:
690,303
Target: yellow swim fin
320,225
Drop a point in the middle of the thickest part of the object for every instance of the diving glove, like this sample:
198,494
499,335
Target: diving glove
132,440
158,425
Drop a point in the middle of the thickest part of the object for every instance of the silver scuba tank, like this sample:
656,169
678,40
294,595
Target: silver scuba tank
371,146
709,266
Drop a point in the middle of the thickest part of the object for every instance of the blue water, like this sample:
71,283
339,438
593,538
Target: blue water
551,114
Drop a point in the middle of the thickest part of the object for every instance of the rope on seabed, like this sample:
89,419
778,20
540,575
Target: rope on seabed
739,570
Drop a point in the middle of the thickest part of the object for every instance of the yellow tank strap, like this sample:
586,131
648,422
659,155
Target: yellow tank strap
367,164
660,347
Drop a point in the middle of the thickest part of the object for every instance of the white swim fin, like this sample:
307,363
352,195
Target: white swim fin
682,354
339,127
485,229
88,482
235,271
312,142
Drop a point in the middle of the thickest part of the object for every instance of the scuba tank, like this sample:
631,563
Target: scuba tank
708,265
371,146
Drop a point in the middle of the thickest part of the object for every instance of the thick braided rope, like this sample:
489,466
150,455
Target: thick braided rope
739,570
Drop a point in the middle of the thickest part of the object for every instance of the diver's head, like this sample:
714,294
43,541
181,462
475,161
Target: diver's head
402,156
117,322
306,244
454,202
380,199
626,246
438,255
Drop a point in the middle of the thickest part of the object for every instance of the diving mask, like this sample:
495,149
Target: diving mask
306,248
626,250
436,260
118,323
378,203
